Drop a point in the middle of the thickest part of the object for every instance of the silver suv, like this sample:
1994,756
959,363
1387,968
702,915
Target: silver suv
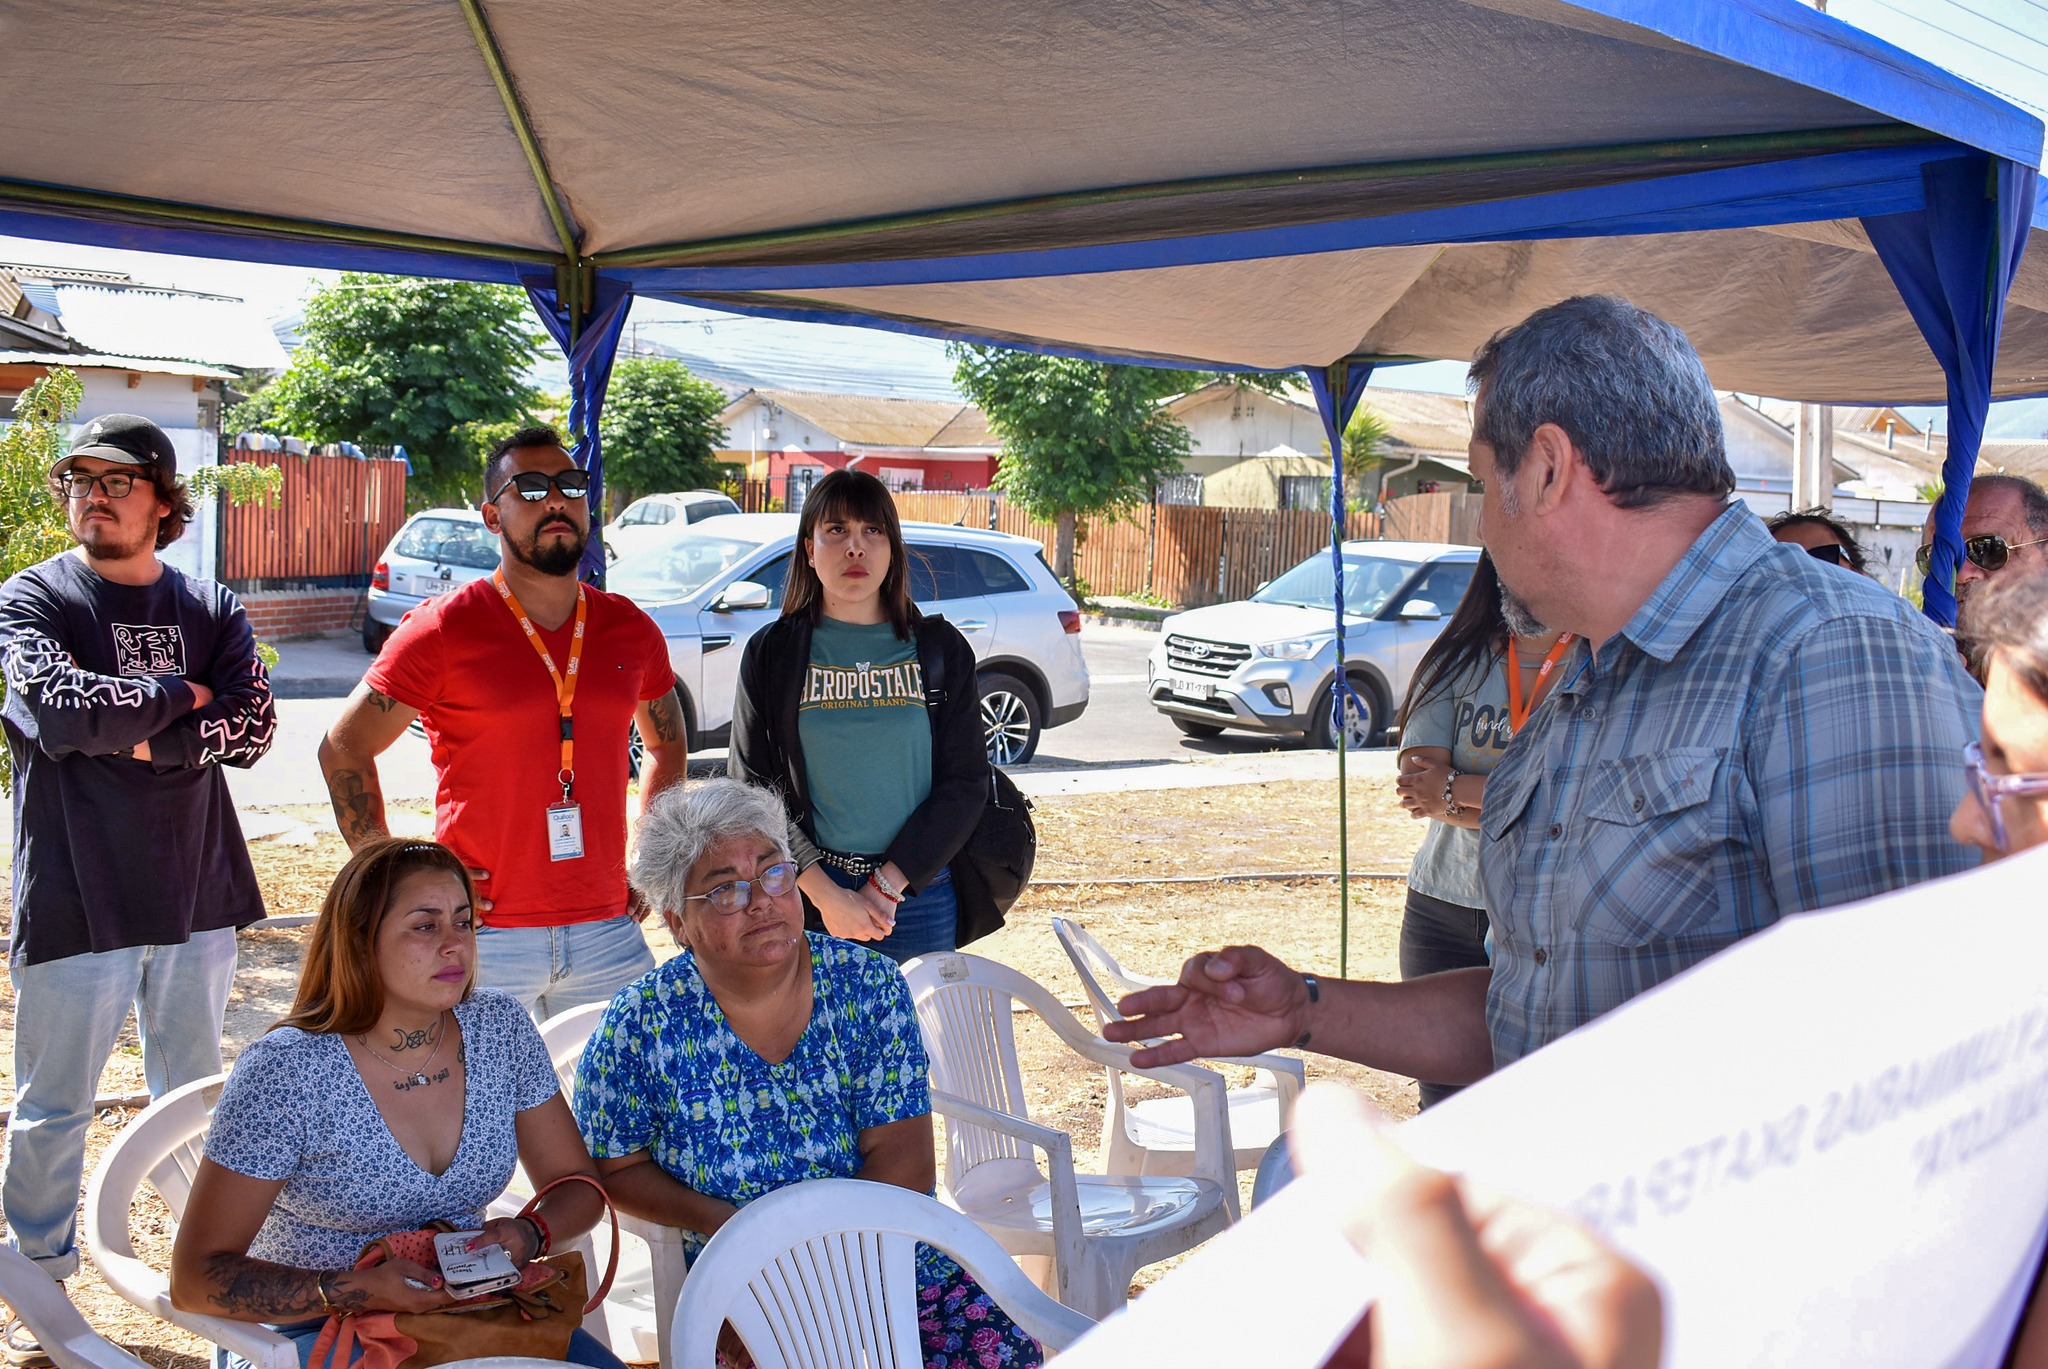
714,584
436,552
1266,664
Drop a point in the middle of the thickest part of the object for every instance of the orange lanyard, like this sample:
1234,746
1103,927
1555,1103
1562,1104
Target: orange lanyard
1517,712
565,681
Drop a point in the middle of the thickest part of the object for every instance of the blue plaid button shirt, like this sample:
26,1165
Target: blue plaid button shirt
1767,734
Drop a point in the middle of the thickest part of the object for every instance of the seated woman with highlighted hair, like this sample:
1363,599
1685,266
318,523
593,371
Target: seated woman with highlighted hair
390,1097
763,1056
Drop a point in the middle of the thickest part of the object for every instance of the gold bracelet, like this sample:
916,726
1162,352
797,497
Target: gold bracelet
320,1286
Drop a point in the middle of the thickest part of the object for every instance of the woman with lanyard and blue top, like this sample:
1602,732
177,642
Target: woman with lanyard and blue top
1473,690
864,716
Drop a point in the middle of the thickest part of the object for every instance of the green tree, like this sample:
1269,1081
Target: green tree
660,430
402,362
1079,437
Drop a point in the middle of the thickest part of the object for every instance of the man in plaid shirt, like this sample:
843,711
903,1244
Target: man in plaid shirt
1750,732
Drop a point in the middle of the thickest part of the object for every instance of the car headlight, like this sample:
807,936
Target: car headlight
1296,648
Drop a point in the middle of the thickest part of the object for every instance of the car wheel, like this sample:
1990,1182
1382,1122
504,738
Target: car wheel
1009,719
375,634
1199,731
1362,720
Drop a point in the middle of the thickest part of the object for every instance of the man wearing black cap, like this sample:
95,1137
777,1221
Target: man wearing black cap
128,686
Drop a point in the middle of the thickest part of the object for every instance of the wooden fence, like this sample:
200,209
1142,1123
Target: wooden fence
1440,517
1184,554
335,518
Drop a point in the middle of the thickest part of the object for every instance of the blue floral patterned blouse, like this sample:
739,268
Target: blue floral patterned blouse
664,1073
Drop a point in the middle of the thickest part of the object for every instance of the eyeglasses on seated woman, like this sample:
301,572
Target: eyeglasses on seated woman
391,1096
763,1056
2005,629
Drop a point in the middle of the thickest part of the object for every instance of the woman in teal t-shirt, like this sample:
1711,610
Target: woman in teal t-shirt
884,778
1471,693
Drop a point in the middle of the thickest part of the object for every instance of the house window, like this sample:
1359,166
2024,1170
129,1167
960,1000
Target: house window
1310,492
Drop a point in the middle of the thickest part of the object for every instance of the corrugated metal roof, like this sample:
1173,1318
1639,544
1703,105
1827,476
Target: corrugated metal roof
93,361
41,294
880,420
168,324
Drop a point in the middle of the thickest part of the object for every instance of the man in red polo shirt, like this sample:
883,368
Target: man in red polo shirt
526,682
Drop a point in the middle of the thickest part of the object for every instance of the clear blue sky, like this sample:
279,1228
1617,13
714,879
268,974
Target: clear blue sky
1999,44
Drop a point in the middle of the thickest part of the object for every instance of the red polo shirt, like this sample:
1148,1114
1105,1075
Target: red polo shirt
490,714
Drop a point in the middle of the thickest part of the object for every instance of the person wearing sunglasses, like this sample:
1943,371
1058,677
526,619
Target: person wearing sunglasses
1821,535
2005,528
527,683
764,1056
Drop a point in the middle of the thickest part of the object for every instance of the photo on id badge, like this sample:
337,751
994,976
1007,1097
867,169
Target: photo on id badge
565,831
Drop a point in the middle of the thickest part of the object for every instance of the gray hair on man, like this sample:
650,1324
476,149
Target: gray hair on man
1626,387
687,820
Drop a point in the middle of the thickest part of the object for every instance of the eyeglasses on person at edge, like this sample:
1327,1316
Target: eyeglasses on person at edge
1987,551
533,486
1988,789
78,485
775,881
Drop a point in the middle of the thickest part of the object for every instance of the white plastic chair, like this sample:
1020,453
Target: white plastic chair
50,1317
1099,1229
823,1275
162,1147
642,1304
1157,1135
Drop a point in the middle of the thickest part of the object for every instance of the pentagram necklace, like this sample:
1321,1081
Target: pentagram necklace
418,1078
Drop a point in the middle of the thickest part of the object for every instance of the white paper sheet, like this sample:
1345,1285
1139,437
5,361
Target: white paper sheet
1829,1144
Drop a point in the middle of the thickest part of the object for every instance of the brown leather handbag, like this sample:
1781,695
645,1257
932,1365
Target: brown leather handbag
533,1320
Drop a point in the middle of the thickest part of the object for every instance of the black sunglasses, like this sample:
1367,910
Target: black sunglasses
533,486
1831,553
1987,551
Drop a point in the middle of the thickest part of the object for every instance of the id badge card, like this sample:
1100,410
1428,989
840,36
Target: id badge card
565,831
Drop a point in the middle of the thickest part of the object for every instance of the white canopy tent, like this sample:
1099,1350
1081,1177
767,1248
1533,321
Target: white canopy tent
1258,184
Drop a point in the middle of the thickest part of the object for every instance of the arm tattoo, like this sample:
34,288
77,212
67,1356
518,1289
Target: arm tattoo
383,703
358,806
245,1286
666,717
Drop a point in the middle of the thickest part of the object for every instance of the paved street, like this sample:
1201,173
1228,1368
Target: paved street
1119,743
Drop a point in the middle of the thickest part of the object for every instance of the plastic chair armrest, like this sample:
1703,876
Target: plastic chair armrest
1059,1157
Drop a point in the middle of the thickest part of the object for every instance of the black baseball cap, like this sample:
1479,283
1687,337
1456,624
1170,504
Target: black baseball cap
128,439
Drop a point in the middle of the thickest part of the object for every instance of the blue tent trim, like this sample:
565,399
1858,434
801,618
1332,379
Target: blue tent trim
1821,187
1792,40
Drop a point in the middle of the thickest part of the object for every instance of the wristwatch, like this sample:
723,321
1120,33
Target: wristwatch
1452,808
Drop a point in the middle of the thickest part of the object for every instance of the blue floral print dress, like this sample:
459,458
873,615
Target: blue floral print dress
664,1073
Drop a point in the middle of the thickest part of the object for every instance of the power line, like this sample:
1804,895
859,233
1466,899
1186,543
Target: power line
2000,24
2032,102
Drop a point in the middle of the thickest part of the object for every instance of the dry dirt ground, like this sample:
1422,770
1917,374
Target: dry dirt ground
1171,834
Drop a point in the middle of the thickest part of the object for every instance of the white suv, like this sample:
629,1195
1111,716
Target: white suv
647,517
714,584
1266,664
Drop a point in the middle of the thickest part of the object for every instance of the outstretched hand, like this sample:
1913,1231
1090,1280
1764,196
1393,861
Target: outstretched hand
1236,1001
1469,1276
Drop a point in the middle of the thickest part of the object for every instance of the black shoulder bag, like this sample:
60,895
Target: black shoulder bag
994,867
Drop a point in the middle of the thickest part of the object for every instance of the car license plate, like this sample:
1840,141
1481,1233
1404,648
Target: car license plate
427,589
1189,688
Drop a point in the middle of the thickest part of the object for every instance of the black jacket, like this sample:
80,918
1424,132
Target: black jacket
766,751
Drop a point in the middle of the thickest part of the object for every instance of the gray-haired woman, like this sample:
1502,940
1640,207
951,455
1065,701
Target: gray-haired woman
763,1055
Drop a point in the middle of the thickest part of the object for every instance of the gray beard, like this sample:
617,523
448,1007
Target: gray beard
1520,621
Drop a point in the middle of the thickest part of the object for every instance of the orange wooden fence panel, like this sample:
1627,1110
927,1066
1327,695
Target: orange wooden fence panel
334,518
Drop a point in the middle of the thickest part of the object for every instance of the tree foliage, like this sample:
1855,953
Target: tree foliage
661,430
1365,441
394,361
1079,437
